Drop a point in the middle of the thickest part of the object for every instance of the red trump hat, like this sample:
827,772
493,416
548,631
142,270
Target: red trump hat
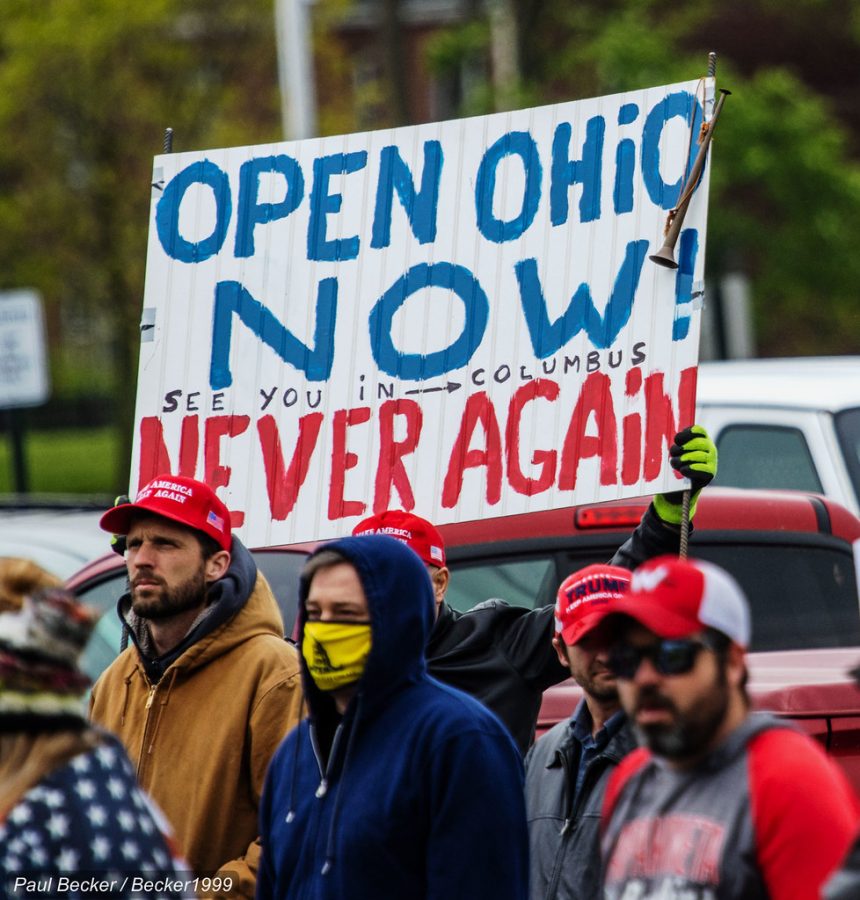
414,531
586,597
181,499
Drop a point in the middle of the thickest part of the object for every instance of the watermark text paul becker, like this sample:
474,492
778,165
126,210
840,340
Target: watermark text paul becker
135,884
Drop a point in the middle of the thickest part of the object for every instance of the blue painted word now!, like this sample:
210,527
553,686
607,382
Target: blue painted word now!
418,191
234,302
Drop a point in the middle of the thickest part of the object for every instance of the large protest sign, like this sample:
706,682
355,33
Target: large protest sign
457,318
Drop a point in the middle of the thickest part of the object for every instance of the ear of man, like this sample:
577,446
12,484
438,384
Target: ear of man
216,566
559,646
440,576
736,666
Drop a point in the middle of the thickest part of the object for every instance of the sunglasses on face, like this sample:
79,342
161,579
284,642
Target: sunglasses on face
668,656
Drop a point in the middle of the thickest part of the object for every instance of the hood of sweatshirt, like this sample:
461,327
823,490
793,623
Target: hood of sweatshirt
401,603
227,596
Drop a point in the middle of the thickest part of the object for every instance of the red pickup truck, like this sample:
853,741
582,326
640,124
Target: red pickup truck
791,552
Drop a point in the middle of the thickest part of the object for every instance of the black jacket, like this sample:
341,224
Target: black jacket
503,654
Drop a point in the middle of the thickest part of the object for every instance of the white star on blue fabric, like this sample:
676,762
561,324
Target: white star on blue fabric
106,757
129,850
58,825
116,788
100,846
85,789
81,763
21,814
54,799
100,824
97,815
67,860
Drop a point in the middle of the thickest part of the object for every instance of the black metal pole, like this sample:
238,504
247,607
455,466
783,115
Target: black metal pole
19,459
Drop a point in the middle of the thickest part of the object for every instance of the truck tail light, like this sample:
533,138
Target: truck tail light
608,516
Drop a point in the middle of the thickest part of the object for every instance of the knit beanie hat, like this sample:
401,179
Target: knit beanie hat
41,685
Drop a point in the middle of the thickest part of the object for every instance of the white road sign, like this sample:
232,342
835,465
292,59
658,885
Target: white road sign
23,365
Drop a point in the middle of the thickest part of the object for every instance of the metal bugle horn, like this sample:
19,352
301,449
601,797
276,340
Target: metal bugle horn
665,256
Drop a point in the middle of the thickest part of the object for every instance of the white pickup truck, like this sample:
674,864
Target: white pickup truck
785,423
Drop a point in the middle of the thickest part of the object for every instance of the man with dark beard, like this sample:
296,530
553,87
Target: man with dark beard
209,687
721,803
568,768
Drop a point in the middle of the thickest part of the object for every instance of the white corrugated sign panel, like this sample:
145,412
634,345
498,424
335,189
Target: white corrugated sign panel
458,319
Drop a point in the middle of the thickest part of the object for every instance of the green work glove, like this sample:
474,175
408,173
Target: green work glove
117,541
694,455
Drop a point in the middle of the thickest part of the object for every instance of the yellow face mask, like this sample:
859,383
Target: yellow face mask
336,652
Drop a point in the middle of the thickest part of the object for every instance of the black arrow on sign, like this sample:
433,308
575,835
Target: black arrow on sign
449,387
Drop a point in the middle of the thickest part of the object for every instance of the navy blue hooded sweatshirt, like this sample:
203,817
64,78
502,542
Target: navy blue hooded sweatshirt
417,792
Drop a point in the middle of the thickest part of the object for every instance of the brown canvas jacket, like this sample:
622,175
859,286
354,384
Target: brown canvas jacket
202,738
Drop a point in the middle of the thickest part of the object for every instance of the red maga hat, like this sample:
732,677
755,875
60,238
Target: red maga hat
414,531
586,597
180,499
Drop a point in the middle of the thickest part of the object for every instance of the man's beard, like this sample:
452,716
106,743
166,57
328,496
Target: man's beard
603,693
690,733
163,602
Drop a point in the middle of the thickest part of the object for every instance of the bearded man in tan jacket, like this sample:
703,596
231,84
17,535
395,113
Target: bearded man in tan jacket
208,686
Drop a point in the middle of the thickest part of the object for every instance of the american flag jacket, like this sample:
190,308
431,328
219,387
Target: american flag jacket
88,828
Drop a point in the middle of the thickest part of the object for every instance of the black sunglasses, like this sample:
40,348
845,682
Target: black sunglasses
669,657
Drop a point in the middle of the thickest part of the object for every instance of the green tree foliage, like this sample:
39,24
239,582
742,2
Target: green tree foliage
87,88
785,184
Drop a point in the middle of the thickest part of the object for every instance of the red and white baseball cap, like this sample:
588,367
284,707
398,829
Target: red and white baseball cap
181,499
586,597
418,533
677,597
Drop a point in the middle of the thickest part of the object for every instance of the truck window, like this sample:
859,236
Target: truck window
523,582
801,596
765,456
802,593
847,425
